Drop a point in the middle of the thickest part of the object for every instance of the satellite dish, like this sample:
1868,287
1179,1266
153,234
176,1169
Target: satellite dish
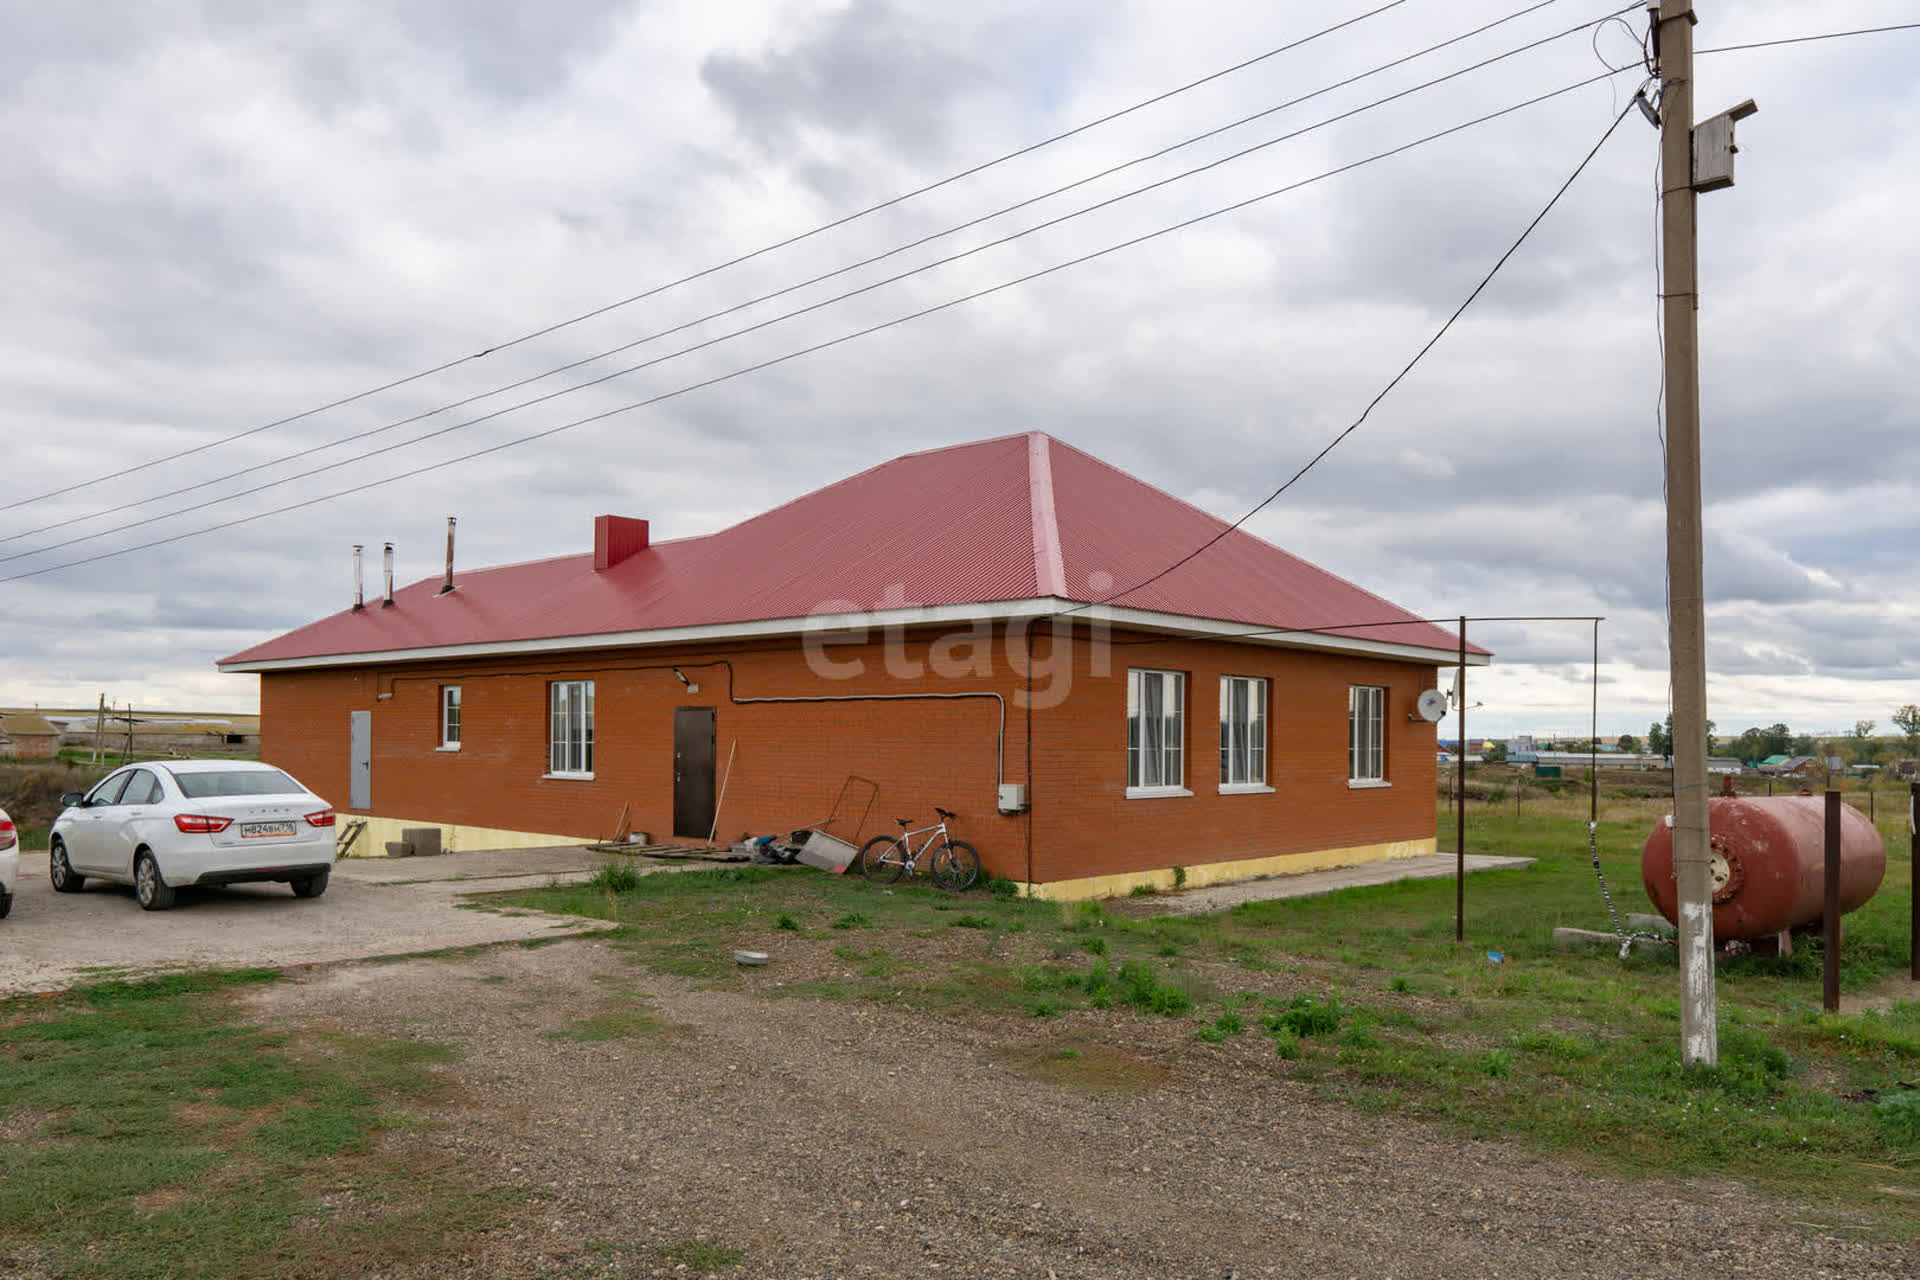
1431,706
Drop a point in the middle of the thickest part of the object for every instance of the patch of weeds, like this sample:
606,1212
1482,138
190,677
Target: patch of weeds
1003,888
1750,1067
1400,985
1049,977
787,923
183,1140
615,877
1898,1115
1098,984
1227,1025
1078,917
495,979
970,922
1360,1038
1494,1063
1286,1044
626,1023
851,920
1305,1016
1145,990
1140,891
1550,1044
1095,945
1043,1009
702,1255
1179,877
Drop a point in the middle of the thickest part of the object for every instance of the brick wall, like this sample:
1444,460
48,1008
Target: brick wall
1084,824
790,759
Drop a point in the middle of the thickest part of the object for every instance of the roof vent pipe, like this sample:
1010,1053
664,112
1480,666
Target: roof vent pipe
386,565
446,584
359,582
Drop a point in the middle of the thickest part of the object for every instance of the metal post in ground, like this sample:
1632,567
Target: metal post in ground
1460,818
1913,881
1830,910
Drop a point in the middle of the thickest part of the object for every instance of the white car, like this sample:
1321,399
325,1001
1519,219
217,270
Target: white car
168,823
9,862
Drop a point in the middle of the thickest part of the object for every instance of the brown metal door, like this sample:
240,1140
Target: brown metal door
693,756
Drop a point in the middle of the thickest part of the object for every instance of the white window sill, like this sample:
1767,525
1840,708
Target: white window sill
1155,793
569,777
1245,789
1366,784
448,746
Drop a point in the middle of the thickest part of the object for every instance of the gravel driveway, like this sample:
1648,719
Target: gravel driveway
829,1139
372,907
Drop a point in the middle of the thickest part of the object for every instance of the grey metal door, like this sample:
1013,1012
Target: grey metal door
360,761
693,738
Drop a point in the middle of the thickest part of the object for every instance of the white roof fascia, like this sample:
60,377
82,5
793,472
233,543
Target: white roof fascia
914,616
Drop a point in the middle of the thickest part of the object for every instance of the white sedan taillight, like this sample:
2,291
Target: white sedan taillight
324,818
200,823
8,838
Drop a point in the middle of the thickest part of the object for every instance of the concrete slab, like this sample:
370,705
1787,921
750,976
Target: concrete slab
372,907
1223,897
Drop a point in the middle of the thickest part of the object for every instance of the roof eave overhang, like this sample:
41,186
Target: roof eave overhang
1172,624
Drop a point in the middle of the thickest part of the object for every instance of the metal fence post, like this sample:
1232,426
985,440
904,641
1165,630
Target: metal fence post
1830,910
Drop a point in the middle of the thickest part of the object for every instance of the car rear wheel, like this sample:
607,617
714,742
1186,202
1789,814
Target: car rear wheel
60,871
148,887
6,905
310,886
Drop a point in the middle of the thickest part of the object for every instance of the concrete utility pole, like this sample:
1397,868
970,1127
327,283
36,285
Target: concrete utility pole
1683,173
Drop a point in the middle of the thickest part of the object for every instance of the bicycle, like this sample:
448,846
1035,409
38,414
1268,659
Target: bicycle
954,865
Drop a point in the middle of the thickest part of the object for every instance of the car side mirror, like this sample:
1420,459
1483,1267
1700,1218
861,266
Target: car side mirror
71,799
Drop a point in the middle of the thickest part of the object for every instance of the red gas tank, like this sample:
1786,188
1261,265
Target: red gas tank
1769,863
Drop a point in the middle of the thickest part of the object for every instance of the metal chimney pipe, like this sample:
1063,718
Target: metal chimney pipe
386,562
359,582
446,584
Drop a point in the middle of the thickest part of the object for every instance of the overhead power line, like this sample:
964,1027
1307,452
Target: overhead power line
1393,382
870,287
217,480
1827,35
842,339
656,290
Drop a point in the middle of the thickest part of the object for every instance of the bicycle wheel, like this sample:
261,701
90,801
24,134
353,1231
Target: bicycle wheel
884,858
955,866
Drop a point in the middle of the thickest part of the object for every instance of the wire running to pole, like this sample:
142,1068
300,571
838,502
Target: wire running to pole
1398,377
1825,35
690,278
872,286
853,335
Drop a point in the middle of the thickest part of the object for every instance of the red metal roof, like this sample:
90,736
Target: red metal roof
1013,518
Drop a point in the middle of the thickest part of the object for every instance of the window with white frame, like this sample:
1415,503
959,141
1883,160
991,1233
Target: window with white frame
1243,731
1156,730
571,739
1366,733
450,715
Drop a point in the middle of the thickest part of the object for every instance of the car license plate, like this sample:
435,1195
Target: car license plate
254,830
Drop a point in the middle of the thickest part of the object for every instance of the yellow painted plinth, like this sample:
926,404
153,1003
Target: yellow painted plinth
1284,864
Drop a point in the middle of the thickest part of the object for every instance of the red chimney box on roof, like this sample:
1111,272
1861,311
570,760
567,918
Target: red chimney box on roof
615,538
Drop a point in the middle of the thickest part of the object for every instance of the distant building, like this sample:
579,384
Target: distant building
28,738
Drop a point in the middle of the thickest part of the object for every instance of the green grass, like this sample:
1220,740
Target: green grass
165,1137
1365,995
702,1255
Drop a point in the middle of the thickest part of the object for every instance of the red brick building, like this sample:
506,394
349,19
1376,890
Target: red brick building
979,627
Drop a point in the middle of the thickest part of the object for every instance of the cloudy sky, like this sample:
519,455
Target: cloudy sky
220,215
